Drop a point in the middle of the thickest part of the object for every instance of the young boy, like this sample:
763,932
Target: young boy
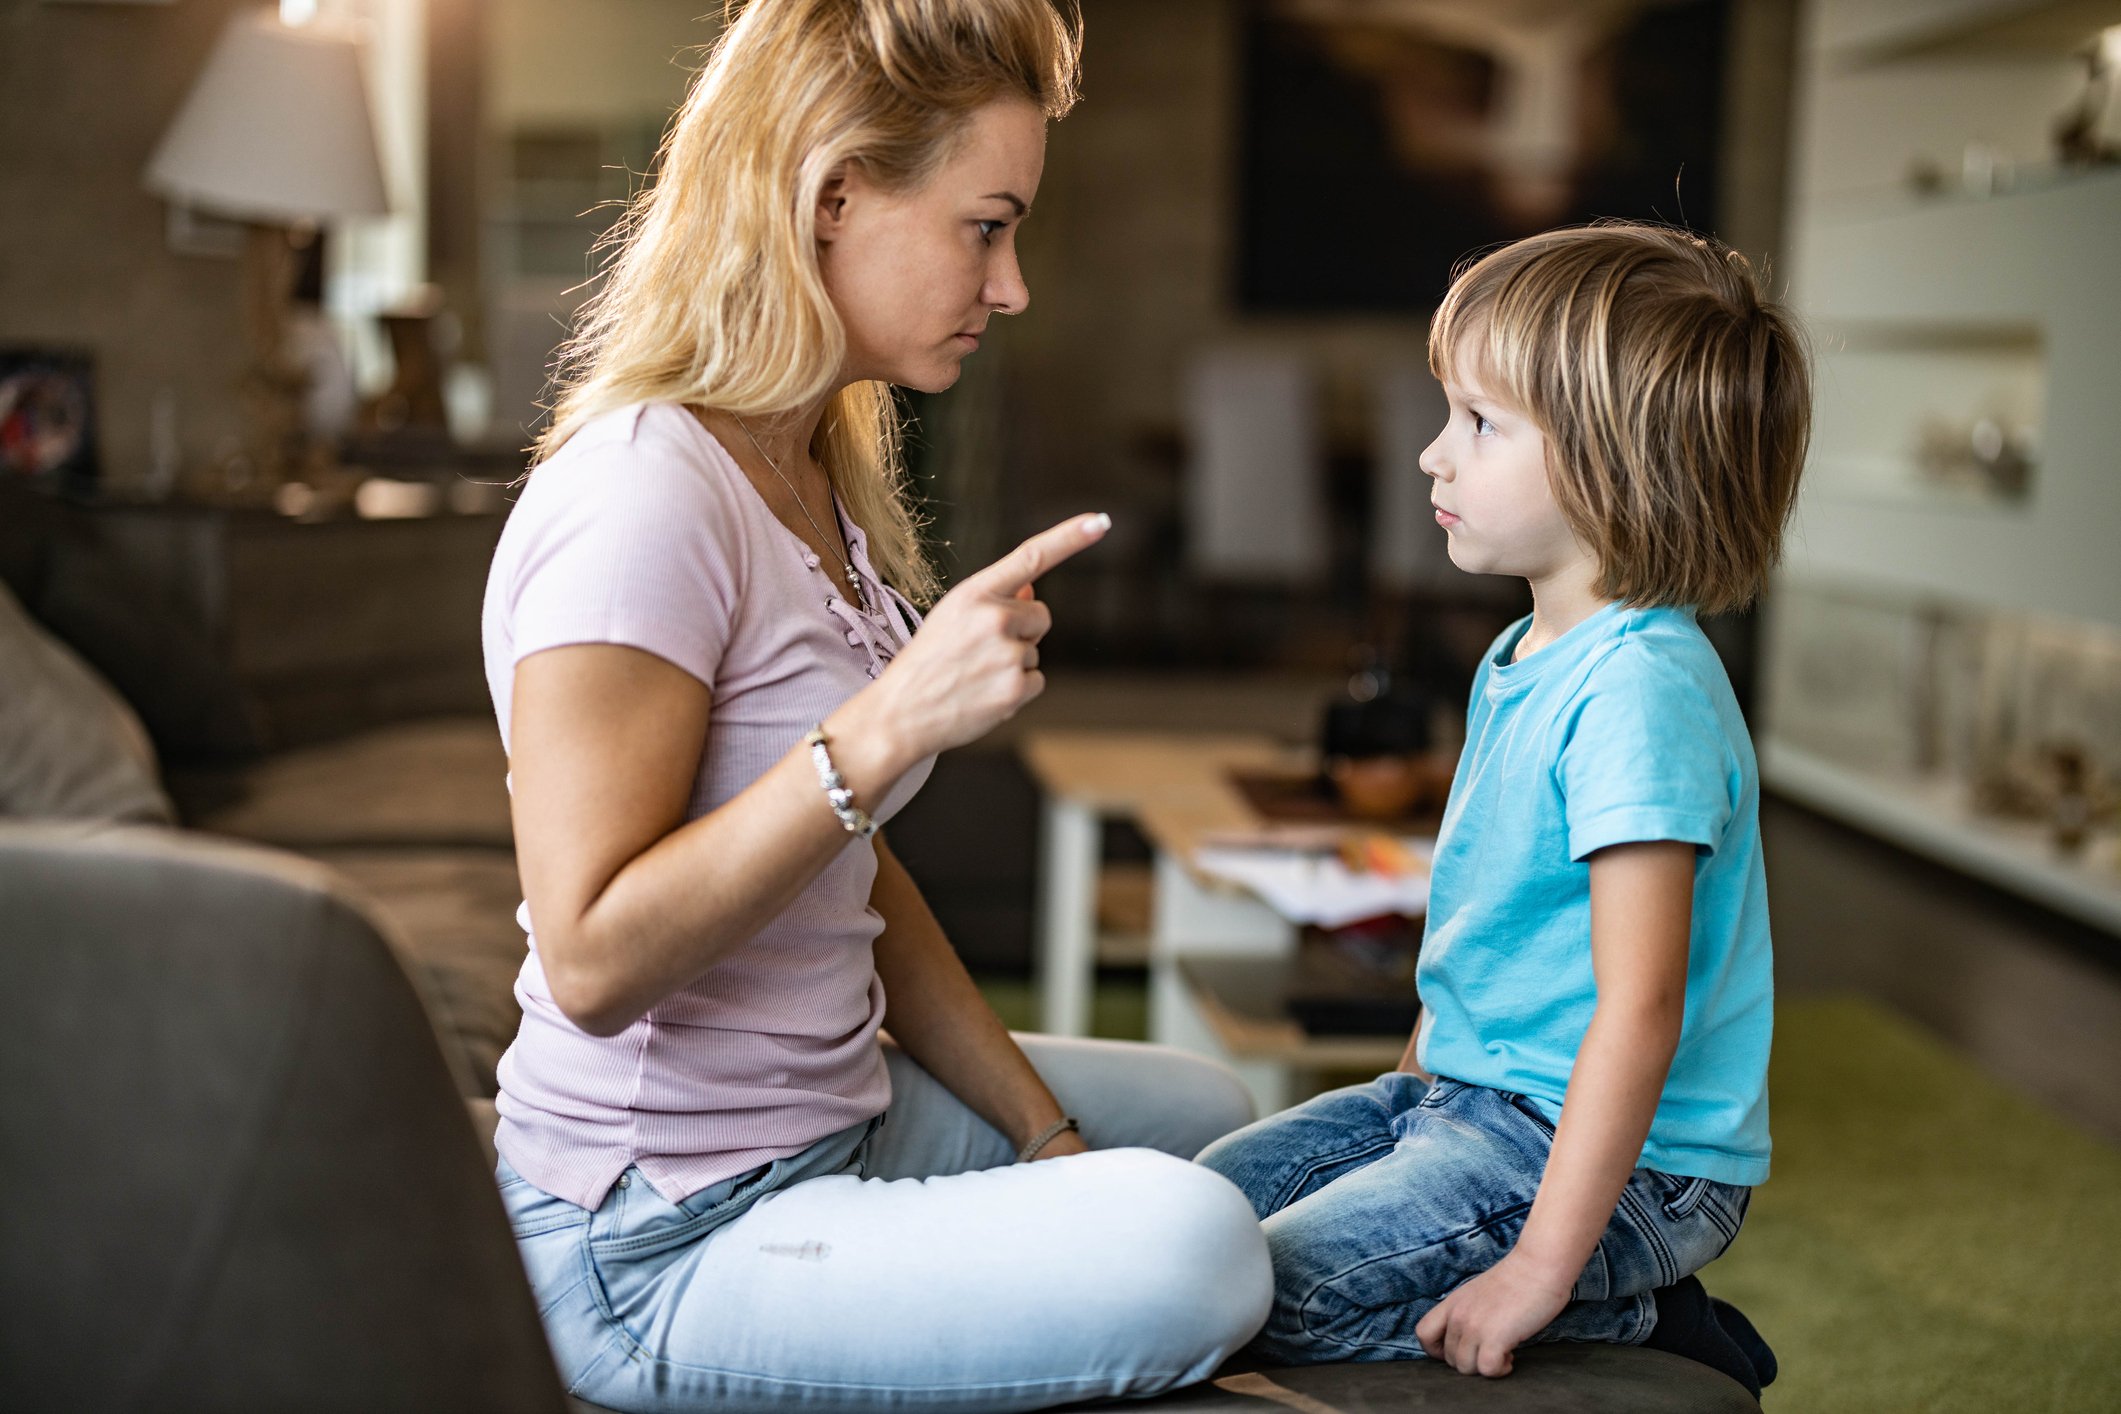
1582,1111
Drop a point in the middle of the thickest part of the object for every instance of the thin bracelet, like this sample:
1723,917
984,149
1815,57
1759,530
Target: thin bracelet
858,821
1046,1136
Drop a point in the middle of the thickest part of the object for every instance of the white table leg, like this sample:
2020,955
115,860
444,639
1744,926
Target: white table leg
1067,917
1176,1020
1189,918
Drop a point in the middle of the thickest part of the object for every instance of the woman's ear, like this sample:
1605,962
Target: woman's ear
832,204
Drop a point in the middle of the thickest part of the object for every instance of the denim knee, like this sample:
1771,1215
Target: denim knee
1208,1285
1284,1156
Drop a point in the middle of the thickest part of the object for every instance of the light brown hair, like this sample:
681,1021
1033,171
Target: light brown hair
714,296
1674,395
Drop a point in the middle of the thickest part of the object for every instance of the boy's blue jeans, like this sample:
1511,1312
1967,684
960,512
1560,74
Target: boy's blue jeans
1378,1199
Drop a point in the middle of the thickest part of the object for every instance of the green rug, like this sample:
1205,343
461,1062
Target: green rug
1930,1243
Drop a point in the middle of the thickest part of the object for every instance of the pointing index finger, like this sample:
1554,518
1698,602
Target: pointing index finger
1022,566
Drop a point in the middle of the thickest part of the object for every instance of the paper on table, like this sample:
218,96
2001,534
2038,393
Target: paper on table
1315,887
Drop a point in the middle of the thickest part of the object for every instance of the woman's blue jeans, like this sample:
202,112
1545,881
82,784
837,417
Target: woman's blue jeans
909,1264
1378,1199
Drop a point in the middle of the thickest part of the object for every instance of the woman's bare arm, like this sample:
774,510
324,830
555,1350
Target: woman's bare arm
938,1017
629,903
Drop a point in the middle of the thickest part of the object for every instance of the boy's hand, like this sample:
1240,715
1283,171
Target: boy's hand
1475,1328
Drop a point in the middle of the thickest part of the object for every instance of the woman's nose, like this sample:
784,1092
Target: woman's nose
1006,292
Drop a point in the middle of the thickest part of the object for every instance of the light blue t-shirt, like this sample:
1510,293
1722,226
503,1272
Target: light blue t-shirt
1622,730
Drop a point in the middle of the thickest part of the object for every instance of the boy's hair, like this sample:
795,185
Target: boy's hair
1674,395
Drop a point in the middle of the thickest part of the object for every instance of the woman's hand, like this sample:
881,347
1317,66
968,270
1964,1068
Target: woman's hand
974,661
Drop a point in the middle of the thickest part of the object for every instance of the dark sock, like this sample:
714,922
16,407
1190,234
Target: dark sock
1742,1334
1687,1325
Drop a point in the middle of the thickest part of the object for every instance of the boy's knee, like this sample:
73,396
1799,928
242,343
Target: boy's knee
1250,1160
1224,1156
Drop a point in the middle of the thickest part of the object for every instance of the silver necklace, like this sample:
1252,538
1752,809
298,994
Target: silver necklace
861,590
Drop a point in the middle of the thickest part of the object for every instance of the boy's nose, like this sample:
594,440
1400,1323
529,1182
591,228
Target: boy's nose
1432,460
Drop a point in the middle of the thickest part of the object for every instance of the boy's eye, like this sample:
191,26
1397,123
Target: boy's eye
1481,426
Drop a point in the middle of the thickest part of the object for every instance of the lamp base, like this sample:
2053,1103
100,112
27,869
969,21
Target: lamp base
277,446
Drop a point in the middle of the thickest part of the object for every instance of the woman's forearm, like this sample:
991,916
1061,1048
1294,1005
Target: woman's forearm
936,1013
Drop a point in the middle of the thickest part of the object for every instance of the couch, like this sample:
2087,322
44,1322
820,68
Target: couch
119,708
408,857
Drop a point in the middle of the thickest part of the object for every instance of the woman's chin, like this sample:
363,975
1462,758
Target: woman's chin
935,378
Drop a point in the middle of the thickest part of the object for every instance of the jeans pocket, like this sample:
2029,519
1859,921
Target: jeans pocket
1685,1198
1524,1106
662,1226
1440,1089
1724,1205
532,1212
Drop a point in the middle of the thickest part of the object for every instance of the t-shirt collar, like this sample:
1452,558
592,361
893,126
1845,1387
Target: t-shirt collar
1506,677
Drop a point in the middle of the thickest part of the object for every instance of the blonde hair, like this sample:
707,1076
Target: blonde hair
714,297
1674,395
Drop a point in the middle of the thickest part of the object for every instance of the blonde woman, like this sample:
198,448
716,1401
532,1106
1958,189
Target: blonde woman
729,1190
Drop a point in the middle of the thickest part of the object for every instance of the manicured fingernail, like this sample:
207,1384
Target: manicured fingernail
1097,524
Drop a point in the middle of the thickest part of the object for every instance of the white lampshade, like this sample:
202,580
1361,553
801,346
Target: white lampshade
276,130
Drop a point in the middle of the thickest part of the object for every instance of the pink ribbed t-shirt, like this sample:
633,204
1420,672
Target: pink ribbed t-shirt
642,531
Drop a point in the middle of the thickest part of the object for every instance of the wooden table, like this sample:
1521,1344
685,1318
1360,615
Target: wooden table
1176,788
1087,777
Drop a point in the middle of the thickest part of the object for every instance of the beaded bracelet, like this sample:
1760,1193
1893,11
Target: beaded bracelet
858,821
1046,1136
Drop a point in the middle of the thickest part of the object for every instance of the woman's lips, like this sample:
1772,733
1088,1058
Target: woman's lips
970,341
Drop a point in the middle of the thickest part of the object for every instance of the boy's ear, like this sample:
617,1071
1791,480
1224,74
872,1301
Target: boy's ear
832,204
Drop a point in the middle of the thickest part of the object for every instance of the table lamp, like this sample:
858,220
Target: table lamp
275,133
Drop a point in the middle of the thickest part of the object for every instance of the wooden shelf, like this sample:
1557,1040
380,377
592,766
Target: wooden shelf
1984,29
1243,1001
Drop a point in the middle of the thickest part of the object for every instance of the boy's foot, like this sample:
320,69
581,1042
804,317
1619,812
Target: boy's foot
1742,1334
1688,1324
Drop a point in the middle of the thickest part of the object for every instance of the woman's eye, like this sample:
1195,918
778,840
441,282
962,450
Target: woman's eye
987,229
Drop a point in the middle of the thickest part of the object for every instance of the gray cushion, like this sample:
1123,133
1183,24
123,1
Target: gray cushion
70,748
416,815
453,917
235,1173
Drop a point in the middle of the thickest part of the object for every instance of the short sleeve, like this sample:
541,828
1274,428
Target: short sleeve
629,541
1645,757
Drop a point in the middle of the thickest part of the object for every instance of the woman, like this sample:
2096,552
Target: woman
729,1192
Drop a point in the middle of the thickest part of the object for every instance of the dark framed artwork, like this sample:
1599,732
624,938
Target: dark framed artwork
1383,140
48,419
